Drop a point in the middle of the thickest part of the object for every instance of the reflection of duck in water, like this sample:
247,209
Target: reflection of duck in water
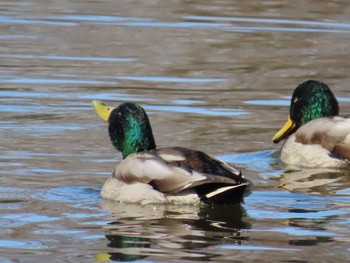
313,181
316,135
176,232
164,175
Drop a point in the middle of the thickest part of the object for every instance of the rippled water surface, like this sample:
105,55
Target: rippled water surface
213,75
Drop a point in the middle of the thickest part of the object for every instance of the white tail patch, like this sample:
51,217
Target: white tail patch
220,190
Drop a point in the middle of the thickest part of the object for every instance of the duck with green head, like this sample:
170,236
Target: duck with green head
316,135
173,175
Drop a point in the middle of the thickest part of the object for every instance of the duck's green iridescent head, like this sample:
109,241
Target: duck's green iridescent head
128,126
311,100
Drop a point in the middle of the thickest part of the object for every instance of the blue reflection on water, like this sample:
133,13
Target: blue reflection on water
268,102
12,20
72,194
21,244
287,205
197,110
245,247
28,217
261,161
300,232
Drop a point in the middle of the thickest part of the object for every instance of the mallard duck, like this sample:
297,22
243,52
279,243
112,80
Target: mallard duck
317,136
165,175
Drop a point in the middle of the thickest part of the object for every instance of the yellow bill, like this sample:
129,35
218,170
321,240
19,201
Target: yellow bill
102,109
286,130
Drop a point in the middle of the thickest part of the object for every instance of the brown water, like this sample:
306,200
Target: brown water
213,75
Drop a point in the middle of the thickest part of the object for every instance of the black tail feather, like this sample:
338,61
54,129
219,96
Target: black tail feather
223,193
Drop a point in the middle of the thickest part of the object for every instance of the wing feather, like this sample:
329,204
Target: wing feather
174,169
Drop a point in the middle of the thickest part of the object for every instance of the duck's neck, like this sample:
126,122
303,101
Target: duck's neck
137,137
319,106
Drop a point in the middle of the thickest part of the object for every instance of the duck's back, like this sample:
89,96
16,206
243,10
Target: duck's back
199,161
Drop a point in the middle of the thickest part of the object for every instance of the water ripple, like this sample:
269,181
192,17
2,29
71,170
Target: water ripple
106,59
11,20
316,26
53,81
271,21
290,25
96,18
5,243
171,79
